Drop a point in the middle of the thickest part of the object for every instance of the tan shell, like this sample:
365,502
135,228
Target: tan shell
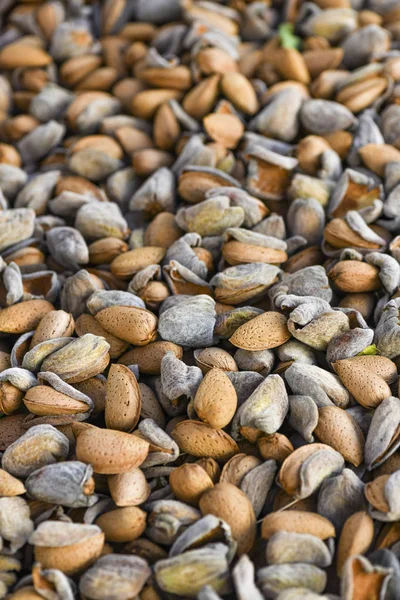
237,467
145,104
375,493
108,451
215,401
105,250
95,388
55,324
214,357
366,386
189,481
268,330
23,317
355,276
224,129
338,429
290,473
148,358
123,399
340,235
162,231
231,505
201,440
129,489
43,400
356,537
211,467
237,253
275,446
377,156
200,100
17,55
238,89
129,323
122,524
11,428
10,485
73,558
88,324
10,398
297,521
129,263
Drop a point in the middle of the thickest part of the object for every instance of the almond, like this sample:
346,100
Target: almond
216,400
129,263
10,485
237,253
88,324
145,104
297,521
189,481
355,276
108,451
23,317
214,357
237,467
356,537
201,440
266,331
224,129
21,55
129,489
375,493
123,399
69,547
200,100
377,156
55,324
366,386
339,235
43,400
238,90
230,504
148,358
338,429
134,325
274,447
122,524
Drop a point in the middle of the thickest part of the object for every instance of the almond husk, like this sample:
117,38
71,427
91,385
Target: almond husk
290,474
123,399
23,317
188,483
215,401
134,325
366,386
127,264
355,276
108,451
297,521
230,504
88,324
201,440
338,429
356,537
122,524
266,331
148,358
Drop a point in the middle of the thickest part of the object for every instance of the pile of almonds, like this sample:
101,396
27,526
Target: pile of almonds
199,299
